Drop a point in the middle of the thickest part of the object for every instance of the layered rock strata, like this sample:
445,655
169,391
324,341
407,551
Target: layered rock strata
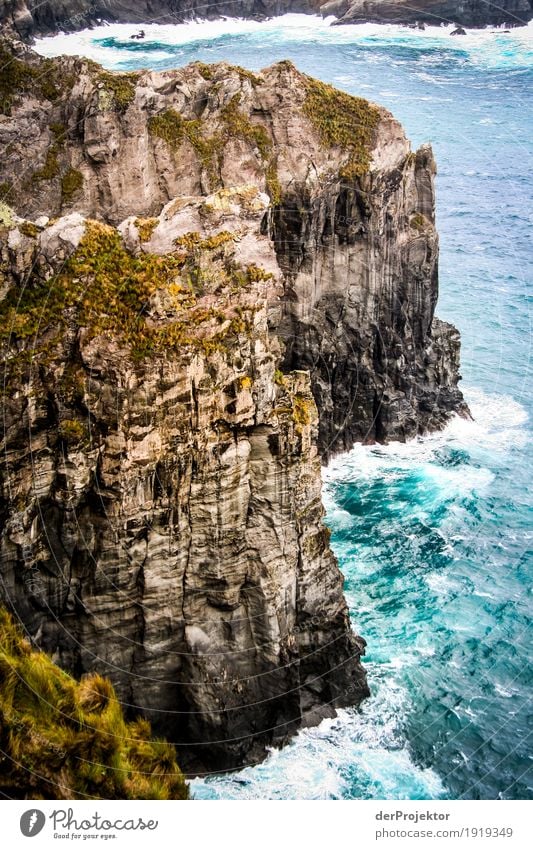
160,506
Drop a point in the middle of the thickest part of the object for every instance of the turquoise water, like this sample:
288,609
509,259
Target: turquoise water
432,536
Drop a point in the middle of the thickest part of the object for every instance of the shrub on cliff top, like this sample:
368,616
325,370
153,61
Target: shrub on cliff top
342,121
62,739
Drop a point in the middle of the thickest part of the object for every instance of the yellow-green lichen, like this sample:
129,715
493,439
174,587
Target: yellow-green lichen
206,71
418,222
72,431
120,86
255,274
60,132
71,182
7,216
107,290
302,410
342,121
195,242
279,377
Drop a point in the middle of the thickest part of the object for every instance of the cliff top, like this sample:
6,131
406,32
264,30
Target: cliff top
111,145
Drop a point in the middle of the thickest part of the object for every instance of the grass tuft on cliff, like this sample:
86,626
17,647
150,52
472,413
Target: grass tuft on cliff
63,739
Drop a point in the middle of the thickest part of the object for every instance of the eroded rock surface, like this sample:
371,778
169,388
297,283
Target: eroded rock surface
161,505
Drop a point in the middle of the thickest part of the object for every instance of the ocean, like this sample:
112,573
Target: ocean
433,536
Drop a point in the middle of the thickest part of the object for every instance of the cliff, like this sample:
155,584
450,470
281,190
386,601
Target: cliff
29,18
465,13
210,252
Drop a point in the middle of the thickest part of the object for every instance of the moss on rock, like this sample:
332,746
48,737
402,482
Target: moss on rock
120,86
71,182
342,121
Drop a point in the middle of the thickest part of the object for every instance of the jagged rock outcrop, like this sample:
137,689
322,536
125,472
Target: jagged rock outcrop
160,501
28,18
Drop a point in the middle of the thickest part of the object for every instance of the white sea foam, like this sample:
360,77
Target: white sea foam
486,47
321,762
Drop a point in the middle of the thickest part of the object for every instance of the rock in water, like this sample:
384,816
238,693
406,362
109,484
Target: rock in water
264,244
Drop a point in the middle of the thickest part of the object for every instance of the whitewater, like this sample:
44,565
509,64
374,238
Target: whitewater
433,537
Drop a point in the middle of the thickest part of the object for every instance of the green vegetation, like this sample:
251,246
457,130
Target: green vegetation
120,86
7,216
46,79
6,189
173,129
60,132
238,125
71,182
146,227
109,291
72,431
418,222
60,739
206,71
194,242
29,229
50,168
302,410
342,121
255,274
245,74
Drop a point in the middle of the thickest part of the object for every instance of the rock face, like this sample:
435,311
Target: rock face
29,18
160,505
162,518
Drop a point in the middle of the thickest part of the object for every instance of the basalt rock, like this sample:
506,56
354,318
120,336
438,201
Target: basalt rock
160,505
